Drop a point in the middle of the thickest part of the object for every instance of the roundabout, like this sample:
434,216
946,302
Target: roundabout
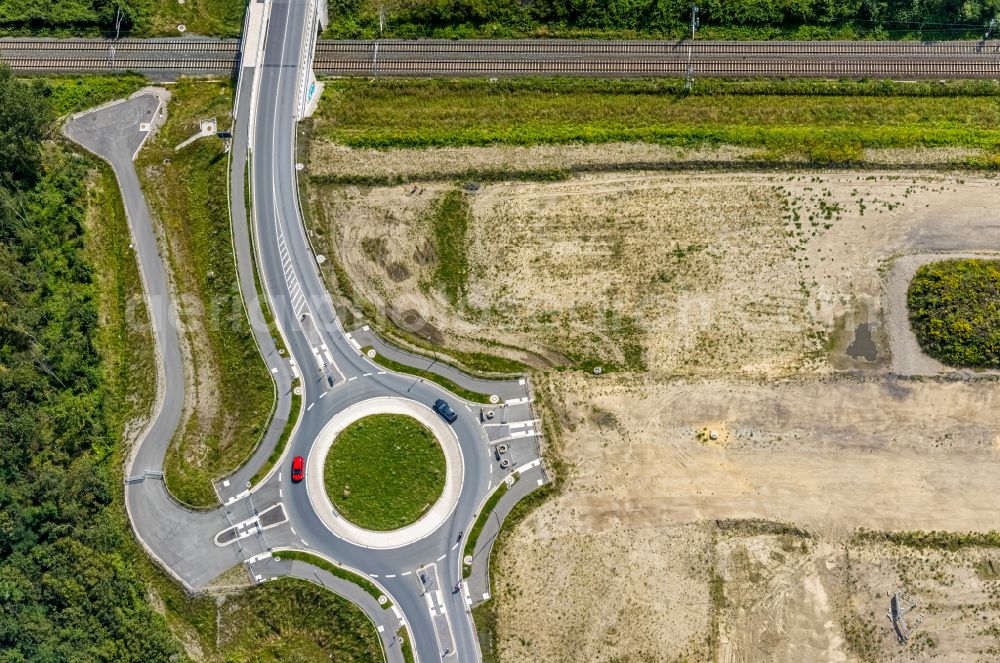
373,535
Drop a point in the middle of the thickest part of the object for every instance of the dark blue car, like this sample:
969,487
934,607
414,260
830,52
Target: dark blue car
441,407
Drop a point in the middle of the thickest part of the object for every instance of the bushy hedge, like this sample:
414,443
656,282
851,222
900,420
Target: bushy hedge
955,311
739,19
81,15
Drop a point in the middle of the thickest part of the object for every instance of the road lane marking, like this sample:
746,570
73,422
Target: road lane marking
257,558
440,558
527,466
390,575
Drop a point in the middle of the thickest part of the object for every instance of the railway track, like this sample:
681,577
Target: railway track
166,58
566,48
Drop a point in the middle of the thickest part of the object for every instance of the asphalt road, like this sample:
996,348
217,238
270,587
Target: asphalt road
195,547
335,375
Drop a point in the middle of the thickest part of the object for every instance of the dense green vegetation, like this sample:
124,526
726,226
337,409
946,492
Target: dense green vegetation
825,121
295,620
427,374
720,19
955,311
384,471
139,18
186,191
69,587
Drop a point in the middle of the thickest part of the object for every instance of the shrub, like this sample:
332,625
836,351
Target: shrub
955,311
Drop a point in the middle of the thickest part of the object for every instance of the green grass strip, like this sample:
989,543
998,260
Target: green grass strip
337,571
406,647
451,222
477,528
827,122
461,392
279,448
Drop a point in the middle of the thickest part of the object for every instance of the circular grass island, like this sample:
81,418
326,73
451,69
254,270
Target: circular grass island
384,471
954,308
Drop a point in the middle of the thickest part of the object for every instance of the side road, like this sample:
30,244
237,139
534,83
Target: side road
179,539
281,369
115,133
505,389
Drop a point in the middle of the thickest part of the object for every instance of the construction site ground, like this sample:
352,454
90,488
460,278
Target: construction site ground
758,305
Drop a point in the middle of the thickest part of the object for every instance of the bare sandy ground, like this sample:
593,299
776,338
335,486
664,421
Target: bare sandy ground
747,294
633,526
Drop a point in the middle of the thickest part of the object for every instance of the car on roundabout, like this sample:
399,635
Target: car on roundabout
298,468
441,407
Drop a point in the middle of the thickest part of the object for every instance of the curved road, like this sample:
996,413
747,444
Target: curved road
419,576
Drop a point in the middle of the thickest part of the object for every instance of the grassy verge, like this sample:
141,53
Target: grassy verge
477,527
450,224
384,471
824,121
124,342
337,571
294,620
954,308
216,18
459,391
233,390
406,646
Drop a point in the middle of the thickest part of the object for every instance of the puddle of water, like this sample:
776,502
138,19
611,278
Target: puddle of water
863,346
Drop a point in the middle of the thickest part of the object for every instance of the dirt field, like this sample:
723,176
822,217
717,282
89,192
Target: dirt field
698,275
828,455
757,302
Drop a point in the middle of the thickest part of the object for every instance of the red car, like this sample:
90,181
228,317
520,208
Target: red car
298,468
